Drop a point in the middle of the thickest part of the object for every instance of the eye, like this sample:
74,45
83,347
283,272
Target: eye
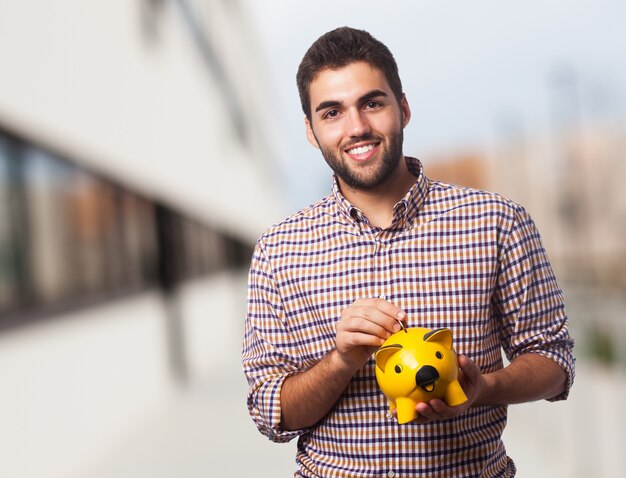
331,114
372,105
439,355
398,368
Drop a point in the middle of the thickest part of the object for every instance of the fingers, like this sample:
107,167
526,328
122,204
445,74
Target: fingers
367,324
350,339
470,369
374,316
364,325
437,409
472,380
382,305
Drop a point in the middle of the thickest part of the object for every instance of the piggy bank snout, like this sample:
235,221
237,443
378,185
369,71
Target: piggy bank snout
426,377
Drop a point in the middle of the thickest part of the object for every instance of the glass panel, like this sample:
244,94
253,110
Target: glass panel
52,264
8,275
138,238
67,235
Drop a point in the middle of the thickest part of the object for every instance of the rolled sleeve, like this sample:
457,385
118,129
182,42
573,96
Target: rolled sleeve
265,410
269,354
529,301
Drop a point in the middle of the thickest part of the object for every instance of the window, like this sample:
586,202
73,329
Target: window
69,236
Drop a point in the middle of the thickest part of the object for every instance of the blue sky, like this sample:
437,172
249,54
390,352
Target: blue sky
468,69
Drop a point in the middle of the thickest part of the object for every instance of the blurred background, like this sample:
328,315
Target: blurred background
146,144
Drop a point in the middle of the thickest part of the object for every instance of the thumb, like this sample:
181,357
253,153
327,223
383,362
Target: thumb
469,368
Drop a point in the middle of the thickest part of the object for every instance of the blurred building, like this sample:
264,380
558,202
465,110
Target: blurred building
571,182
135,175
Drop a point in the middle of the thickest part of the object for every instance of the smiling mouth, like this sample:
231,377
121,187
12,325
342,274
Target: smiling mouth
361,149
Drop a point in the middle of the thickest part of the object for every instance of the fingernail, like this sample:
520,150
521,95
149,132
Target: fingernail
400,315
396,327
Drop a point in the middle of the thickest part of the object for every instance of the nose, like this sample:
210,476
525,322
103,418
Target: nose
426,377
357,124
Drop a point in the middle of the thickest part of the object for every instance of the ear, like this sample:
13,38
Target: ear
309,133
406,111
384,353
442,336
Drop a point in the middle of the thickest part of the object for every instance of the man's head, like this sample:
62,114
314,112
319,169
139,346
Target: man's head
355,109
339,48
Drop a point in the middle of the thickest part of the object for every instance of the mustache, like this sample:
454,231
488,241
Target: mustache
360,139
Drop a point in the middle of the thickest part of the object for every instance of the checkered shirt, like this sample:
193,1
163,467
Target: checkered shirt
453,257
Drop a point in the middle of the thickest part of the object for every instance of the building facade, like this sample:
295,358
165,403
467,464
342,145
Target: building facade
135,174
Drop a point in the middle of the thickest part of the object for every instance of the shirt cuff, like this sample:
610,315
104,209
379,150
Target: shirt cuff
265,409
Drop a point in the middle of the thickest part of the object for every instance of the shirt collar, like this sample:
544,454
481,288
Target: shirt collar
408,206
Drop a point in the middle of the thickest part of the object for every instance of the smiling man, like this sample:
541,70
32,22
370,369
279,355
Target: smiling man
329,284
360,131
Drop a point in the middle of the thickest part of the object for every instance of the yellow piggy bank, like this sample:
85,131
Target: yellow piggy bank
415,365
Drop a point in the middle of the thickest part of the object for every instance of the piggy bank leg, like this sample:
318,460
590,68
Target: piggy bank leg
455,394
406,410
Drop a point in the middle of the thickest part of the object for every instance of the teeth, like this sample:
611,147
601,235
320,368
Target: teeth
361,149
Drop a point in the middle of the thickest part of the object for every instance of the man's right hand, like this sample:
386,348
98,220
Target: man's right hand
363,327
308,396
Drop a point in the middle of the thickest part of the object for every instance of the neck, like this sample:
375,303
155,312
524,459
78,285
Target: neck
377,203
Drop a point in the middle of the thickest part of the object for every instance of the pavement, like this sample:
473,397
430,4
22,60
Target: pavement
202,431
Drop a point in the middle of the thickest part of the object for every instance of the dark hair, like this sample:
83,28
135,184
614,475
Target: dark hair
339,48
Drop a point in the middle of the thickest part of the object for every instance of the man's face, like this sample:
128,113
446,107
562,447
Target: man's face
357,123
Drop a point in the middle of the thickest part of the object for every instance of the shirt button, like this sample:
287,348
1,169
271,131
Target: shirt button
382,296
389,415
391,473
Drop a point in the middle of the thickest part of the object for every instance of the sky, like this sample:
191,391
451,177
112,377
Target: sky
470,70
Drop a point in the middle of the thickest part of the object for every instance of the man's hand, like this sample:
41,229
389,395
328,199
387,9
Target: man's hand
363,327
528,377
308,396
473,383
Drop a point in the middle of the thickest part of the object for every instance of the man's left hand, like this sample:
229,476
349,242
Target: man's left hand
473,384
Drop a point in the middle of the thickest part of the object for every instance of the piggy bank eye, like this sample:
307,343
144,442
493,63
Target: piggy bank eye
439,355
398,368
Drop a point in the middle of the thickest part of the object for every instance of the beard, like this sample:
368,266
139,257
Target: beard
363,179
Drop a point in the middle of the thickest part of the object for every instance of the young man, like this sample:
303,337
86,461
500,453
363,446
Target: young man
329,284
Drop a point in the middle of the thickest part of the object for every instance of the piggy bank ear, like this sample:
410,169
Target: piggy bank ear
442,336
383,354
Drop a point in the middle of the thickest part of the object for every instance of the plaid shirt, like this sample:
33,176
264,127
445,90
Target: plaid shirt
453,257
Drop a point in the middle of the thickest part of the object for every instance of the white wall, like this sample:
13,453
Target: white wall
214,311
81,77
72,386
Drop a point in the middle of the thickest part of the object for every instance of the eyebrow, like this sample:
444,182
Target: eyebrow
366,97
